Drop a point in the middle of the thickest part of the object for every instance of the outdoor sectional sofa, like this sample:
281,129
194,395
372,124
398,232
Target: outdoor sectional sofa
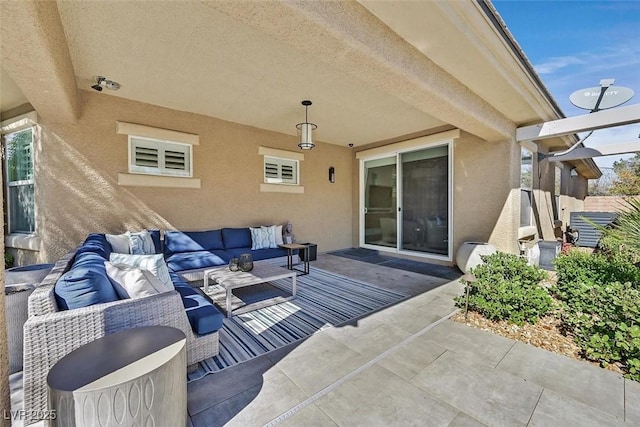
54,330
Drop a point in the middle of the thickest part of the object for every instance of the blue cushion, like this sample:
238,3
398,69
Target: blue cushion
190,241
96,243
89,260
259,254
203,316
197,259
155,236
236,238
84,285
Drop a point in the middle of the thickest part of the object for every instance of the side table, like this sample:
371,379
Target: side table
290,247
132,377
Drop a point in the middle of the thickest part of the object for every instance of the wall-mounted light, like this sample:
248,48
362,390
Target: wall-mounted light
332,174
574,172
305,130
104,82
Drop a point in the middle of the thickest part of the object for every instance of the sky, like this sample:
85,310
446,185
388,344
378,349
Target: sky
573,44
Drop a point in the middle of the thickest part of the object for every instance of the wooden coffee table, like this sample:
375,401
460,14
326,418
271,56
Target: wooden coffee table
261,273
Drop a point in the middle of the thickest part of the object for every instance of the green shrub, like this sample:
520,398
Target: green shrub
577,271
601,307
507,288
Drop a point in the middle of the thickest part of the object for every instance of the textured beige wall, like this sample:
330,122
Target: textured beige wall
486,192
77,190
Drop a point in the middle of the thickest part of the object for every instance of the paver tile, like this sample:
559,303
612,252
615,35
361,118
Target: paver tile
255,406
376,397
555,409
471,343
572,378
493,397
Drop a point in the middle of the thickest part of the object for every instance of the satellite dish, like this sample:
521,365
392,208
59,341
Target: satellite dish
614,96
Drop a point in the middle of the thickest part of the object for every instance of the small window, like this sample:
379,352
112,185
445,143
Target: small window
526,186
20,181
158,157
280,171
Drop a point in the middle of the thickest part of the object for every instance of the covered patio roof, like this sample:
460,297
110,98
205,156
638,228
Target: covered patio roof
375,71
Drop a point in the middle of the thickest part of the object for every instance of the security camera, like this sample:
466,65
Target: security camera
102,82
351,145
99,82
110,84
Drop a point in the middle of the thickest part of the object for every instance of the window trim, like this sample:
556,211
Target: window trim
162,148
280,162
286,156
26,240
141,179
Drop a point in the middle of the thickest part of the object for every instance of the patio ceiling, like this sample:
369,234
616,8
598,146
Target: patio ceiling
397,72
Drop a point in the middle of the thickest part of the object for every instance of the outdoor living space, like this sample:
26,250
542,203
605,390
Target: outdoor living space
407,364
154,152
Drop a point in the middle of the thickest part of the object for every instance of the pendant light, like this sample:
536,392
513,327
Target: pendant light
305,130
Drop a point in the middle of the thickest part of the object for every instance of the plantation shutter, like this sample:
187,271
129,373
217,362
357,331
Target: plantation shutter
146,157
175,160
159,157
271,170
280,171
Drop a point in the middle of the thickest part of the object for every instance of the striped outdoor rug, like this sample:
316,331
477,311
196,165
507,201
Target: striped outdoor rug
323,299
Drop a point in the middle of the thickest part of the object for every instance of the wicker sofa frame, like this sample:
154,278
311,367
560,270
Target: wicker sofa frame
50,334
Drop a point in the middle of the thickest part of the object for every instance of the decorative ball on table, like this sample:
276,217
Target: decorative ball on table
245,262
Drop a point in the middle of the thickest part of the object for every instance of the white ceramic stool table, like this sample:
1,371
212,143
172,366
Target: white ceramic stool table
133,377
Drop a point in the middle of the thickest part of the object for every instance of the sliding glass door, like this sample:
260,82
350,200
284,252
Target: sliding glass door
380,201
408,195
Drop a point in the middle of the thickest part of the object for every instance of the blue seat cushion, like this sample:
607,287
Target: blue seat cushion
191,241
85,284
236,238
203,316
259,254
197,259
96,243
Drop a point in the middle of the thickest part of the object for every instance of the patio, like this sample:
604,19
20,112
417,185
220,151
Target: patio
409,365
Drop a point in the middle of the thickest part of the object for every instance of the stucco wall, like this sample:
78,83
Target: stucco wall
486,192
77,190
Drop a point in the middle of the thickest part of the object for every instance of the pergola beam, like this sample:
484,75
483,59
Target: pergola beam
589,152
602,119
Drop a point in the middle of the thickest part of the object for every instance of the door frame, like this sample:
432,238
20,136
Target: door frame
396,150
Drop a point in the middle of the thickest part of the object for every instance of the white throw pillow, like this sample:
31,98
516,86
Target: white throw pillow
134,282
141,243
153,263
271,234
279,240
119,243
259,238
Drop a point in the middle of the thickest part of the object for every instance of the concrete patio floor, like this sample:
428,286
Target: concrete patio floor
409,365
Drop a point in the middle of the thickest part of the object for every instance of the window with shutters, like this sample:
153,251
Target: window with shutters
158,157
280,171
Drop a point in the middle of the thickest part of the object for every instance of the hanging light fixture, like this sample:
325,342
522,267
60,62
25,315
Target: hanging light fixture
305,130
